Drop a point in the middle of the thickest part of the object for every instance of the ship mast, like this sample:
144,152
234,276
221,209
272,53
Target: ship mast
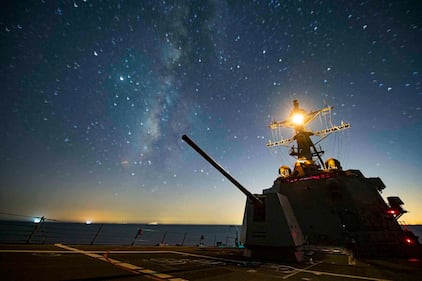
305,150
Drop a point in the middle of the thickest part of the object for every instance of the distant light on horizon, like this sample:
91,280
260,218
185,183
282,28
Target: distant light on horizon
36,220
88,222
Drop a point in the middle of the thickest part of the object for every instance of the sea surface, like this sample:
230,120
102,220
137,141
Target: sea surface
117,234
417,230
126,234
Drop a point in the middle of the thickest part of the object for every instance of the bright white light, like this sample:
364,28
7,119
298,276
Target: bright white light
298,119
37,220
88,222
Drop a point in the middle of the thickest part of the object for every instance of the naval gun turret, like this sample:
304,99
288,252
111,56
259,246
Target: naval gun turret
318,203
270,229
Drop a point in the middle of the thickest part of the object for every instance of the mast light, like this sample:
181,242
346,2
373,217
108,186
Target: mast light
298,118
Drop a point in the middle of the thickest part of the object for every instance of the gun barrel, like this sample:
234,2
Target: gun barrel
252,197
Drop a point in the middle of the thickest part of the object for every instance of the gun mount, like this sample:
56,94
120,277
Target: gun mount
264,234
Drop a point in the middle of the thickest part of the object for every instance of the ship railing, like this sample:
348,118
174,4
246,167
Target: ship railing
403,225
46,231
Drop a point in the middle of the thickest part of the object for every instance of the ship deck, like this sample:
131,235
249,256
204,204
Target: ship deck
178,263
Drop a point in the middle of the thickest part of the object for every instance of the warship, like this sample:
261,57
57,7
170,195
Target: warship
318,203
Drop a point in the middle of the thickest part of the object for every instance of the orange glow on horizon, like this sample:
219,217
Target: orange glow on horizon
100,216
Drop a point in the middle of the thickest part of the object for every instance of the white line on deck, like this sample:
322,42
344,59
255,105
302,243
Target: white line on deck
296,270
123,265
305,270
123,252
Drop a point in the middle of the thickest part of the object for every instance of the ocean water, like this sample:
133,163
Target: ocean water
125,234
117,234
417,230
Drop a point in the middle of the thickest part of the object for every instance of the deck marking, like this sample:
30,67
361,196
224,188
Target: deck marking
345,275
315,272
123,265
147,271
163,275
95,254
297,270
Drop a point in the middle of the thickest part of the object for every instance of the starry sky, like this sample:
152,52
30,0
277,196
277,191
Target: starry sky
95,96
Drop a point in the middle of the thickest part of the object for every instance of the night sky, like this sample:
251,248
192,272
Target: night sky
95,96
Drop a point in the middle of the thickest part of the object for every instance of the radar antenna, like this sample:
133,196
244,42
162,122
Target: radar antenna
305,150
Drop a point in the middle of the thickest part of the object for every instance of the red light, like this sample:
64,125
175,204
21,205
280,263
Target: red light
391,212
408,240
314,177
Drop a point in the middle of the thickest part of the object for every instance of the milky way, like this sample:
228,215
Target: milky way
96,96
